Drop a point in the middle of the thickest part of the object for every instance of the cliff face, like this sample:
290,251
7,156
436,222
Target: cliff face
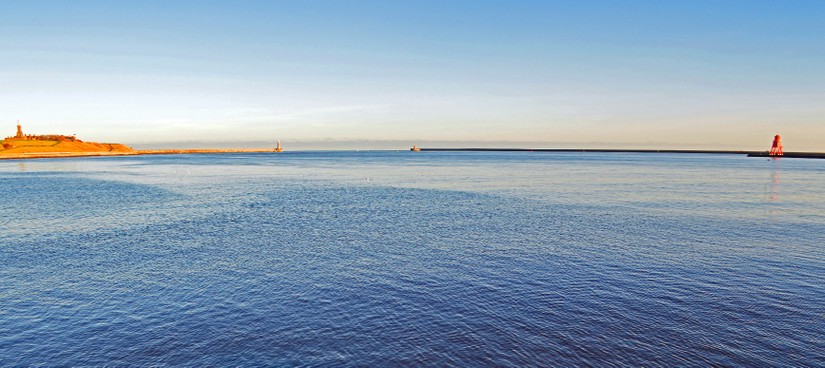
18,147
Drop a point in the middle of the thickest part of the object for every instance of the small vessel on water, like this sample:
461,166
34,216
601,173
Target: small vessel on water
415,149
278,147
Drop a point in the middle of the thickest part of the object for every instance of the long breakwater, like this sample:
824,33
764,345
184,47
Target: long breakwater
610,150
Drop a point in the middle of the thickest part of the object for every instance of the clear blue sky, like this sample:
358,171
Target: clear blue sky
720,73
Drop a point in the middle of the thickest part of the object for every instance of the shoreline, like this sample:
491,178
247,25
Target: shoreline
39,155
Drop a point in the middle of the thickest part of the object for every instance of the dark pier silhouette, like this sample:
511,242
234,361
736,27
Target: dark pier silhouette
790,154
610,150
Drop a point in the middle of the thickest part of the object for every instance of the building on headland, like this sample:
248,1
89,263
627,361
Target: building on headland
48,137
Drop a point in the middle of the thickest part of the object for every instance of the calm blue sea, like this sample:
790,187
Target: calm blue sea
413,259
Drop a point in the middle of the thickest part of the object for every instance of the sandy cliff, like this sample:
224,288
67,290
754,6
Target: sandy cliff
16,148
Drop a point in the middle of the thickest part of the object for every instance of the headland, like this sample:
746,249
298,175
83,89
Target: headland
55,145
27,146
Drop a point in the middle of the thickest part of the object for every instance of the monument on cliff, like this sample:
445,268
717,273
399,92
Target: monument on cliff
46,137
55,145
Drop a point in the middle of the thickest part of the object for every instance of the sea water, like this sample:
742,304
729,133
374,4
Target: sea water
411,259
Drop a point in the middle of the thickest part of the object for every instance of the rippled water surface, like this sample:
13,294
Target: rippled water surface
407,259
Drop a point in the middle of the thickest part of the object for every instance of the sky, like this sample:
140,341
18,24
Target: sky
722,74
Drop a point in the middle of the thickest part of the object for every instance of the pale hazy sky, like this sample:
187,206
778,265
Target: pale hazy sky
703,74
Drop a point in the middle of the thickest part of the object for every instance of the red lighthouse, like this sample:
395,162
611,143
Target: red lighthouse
776,147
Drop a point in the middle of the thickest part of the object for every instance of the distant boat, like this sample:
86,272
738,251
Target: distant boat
278,147
415,149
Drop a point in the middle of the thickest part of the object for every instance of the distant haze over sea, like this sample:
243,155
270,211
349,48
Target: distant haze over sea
299,145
